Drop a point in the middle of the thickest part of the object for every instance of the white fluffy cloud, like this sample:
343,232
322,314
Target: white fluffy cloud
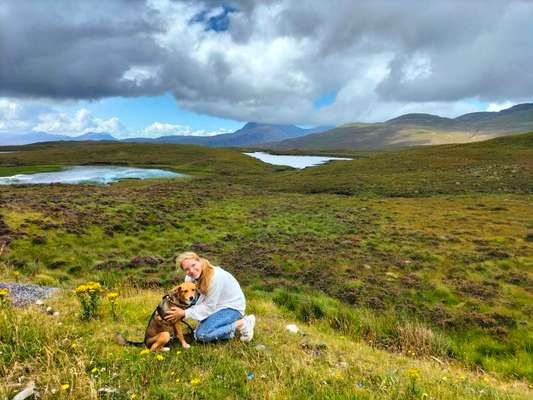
18,116
82,122
499,106
11,118
164,129
24,117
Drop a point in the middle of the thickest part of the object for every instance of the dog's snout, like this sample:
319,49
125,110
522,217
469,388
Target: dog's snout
190,297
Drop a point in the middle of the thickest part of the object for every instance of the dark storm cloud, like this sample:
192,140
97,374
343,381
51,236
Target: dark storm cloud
66,49
270,60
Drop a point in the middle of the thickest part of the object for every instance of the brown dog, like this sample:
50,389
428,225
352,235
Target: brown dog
159,332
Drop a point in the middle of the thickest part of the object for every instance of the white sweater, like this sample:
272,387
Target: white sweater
224,292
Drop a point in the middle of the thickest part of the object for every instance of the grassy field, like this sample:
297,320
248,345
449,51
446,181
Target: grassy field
419,258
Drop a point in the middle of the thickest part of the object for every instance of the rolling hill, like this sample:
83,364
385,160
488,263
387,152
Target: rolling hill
250,134
39,137
417,129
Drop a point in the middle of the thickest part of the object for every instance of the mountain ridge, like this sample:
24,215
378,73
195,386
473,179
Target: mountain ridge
417,129
404,130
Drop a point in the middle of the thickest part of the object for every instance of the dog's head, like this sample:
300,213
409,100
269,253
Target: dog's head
184,293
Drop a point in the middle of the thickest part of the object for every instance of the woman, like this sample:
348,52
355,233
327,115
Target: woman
220,306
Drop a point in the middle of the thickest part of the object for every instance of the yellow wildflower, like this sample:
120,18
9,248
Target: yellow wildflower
144,351
133,396
93,287
82,289
195,381
159,357
112,296
413,373
178,352
94,370
4,292
177,380
65,386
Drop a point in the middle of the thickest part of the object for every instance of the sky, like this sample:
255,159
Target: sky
148,68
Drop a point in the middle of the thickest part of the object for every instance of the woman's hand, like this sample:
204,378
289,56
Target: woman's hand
174,314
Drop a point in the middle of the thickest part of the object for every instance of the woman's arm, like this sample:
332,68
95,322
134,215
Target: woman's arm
205,308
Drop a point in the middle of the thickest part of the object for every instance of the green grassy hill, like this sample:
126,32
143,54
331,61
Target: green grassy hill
499,165
387,250
417,129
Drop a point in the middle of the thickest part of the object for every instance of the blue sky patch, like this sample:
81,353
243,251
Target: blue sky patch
325,100
217,23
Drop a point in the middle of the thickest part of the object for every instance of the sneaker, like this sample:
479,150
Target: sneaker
247,331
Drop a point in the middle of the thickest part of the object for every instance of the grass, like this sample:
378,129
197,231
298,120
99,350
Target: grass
386,250
56,351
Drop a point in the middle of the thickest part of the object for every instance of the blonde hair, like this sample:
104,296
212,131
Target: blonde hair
207,269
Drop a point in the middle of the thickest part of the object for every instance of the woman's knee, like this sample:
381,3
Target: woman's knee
203,336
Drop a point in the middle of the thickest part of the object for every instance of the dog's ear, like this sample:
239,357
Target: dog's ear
179,289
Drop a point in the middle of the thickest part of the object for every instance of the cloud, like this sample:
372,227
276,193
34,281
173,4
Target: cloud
499,106
11,118
18,117
269,61
165,129
82,122
26,116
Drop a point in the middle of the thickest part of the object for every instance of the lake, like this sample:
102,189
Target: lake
293,161
88,174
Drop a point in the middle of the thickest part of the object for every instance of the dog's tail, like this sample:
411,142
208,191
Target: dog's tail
125,342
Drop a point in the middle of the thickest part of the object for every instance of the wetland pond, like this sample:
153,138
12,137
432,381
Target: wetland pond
100,174
293,160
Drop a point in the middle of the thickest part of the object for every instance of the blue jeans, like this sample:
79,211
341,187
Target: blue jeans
219,325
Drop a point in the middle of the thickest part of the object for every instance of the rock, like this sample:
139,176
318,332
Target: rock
24,294
28,391
292,328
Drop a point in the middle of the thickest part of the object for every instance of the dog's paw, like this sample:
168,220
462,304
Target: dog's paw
165,348
186,345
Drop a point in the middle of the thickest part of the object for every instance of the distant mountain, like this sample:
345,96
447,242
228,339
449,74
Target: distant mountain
37,137
94,136
251,134
417,129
